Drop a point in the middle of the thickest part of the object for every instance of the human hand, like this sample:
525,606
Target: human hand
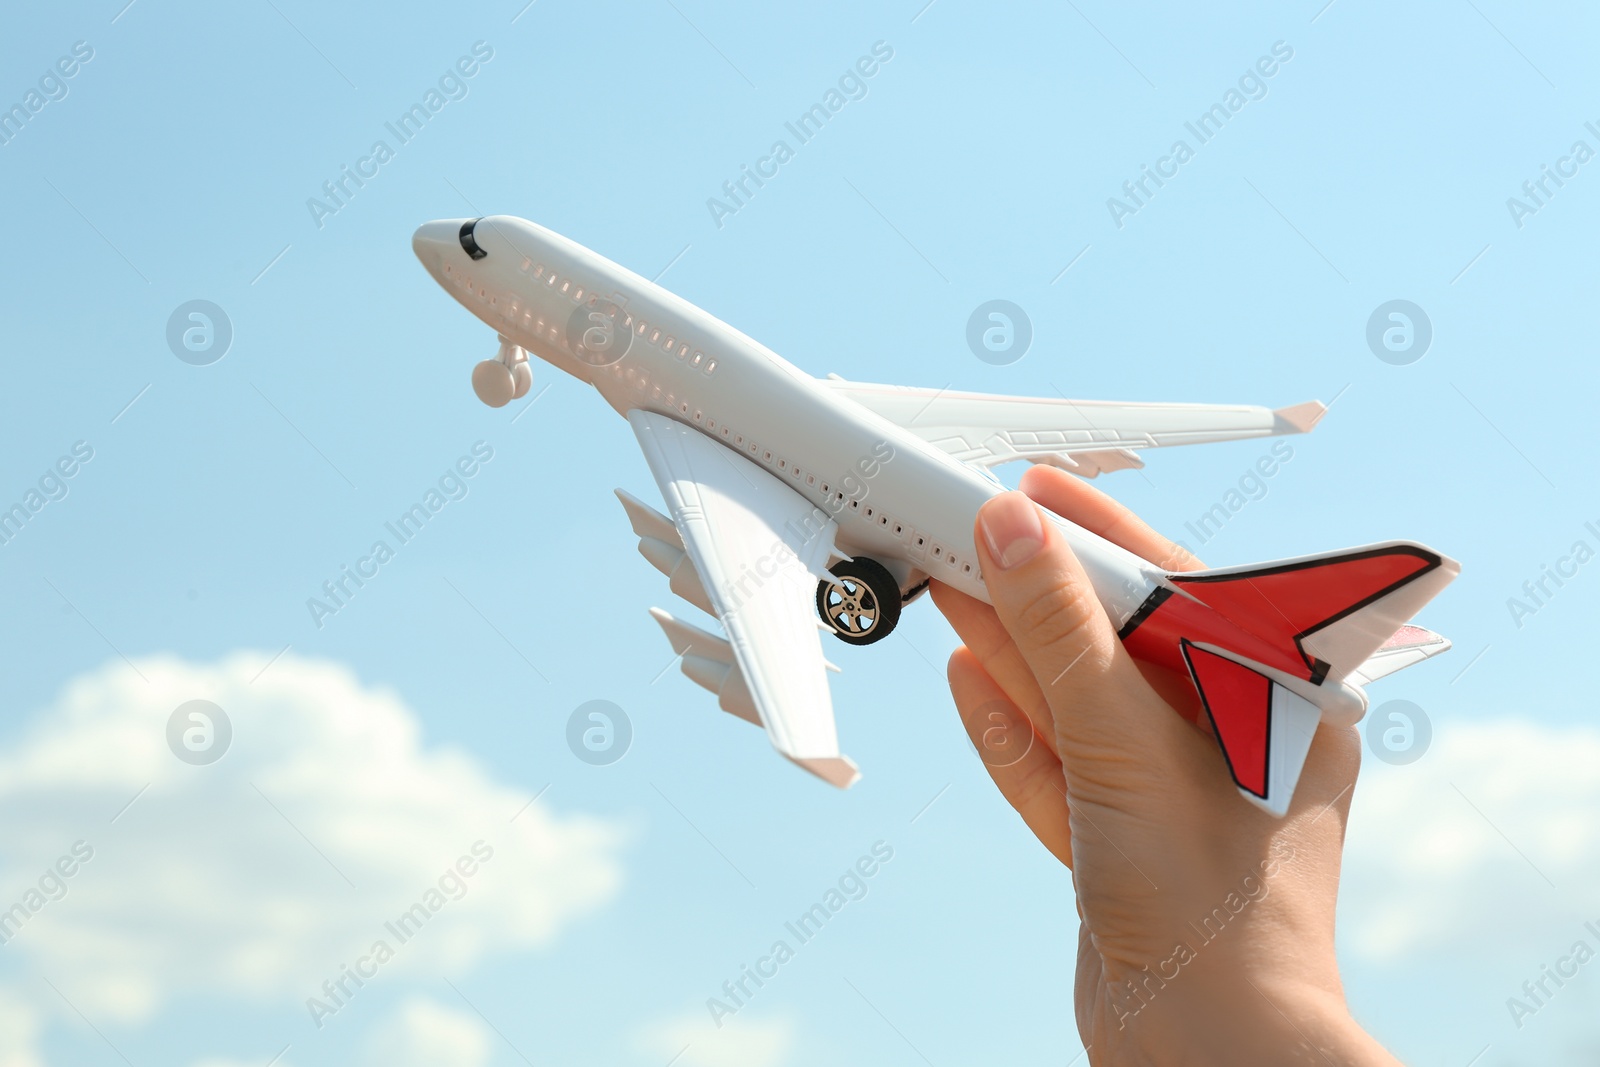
1206,929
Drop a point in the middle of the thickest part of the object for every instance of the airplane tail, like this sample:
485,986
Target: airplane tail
1295,641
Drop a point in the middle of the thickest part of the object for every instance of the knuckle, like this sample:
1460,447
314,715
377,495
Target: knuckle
1058,617
991,644
1035,784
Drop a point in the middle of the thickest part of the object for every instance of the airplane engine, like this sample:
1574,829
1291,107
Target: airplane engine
504,378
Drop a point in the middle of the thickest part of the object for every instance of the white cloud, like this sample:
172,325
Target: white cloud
425,1033
1425,869
741,1042
19,1032
212,879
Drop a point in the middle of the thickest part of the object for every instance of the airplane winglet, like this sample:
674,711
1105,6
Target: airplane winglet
1300,418
838,771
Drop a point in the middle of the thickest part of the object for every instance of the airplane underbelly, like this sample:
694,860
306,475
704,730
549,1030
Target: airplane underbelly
890,498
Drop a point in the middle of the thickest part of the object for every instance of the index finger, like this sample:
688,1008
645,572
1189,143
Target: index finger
1079,502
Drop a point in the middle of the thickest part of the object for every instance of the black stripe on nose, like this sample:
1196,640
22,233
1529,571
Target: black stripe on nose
469,244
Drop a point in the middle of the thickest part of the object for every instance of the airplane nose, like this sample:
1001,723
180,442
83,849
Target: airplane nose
441,237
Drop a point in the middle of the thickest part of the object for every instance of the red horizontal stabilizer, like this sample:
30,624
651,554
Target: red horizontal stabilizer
1286,603
1239,702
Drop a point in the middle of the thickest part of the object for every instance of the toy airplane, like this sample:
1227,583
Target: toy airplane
793,497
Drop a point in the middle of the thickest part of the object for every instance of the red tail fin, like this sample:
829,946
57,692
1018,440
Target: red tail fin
1265,730
1239,702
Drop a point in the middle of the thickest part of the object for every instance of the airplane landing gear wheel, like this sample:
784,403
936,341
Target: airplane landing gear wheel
494,383
861,604
504,378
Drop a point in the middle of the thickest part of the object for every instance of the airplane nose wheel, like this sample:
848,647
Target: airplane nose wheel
504,378
861,603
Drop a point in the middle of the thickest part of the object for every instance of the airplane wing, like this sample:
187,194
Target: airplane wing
758,551
1086,437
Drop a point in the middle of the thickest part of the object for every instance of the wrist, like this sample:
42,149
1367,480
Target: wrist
1235,1020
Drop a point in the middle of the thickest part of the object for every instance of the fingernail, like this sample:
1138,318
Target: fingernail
1012,528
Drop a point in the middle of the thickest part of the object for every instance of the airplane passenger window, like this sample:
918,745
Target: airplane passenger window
667,344
578,294
642,327
698,357
655,335
538,272
683,350
711,365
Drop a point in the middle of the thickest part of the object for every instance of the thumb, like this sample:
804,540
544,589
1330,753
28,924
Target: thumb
1100,702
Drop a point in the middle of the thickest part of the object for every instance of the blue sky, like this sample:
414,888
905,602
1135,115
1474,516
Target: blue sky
375,750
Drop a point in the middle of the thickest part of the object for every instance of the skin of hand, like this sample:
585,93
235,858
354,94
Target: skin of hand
1206,925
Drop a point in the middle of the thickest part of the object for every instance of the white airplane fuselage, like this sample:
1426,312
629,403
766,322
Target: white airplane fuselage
894,497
